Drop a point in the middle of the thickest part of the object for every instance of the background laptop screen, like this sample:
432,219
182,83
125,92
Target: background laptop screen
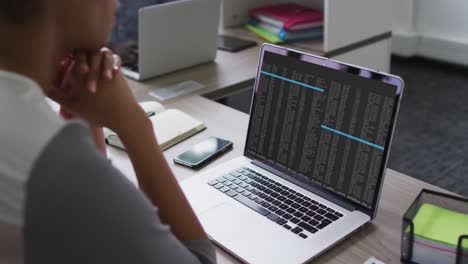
322,125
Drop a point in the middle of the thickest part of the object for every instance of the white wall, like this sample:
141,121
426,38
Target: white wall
403,15
432,28
445,19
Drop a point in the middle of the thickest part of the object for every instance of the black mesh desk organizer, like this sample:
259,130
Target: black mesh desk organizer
450,202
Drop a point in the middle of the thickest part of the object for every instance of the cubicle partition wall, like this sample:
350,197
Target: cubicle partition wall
357,32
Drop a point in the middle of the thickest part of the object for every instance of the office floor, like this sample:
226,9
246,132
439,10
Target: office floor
431,139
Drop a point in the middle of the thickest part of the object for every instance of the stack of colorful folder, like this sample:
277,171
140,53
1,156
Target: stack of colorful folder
284,23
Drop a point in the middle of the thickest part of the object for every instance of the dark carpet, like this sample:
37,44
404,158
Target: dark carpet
431,138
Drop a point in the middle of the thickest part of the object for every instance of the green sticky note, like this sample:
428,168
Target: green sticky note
440,225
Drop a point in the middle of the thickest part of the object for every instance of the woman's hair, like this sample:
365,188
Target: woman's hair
16,11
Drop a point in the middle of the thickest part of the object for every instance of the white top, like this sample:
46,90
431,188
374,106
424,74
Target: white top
55,217
27,125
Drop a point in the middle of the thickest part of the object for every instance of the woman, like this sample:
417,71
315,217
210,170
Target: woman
61,201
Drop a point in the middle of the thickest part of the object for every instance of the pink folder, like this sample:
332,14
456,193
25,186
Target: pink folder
290,16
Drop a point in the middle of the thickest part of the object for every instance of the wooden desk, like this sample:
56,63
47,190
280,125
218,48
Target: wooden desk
224,122
229,73
381,238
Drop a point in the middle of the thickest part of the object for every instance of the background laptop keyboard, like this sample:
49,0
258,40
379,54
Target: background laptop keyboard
296,212
133,67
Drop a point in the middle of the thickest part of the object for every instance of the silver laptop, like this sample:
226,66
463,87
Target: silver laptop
314,161
175,35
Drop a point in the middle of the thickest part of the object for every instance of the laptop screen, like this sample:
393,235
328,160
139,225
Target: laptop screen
325,127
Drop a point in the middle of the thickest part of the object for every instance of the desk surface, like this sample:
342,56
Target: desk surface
228,73
381,238
231,72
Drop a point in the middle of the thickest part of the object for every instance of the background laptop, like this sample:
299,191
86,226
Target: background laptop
317,145
175,35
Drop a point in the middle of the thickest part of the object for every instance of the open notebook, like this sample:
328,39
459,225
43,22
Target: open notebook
171,126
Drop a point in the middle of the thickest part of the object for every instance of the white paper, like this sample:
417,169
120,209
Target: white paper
176,90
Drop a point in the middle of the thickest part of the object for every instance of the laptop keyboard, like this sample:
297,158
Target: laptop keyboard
296,212
133,67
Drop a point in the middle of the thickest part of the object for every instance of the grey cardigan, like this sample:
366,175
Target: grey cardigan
80,209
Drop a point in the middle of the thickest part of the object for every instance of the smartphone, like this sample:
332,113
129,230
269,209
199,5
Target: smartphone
234,44
201,153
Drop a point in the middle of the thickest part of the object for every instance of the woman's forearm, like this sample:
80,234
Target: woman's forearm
98,134
157,181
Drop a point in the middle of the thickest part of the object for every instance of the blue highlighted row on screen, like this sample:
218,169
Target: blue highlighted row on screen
293,81
353,137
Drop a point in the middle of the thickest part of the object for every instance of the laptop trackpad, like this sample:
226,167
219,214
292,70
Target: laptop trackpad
237,229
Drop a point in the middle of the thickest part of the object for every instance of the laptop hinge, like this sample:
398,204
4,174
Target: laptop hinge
316,190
